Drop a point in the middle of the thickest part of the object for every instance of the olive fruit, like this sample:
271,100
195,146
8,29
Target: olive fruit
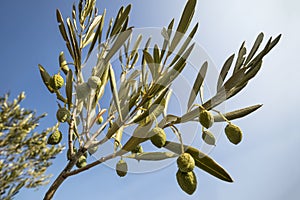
63,115
187,181
185,162
233,133
206,118
121,168
158,137
54,138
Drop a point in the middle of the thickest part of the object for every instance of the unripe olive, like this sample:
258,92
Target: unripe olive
138,149
185,162
158,137
99,120
81,162
54,138
63,115
233,133
56,81
208,137
206,118
121,168
187,181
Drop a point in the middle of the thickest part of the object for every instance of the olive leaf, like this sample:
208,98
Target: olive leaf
63,63
151,64
121,38
197,85
113,86
63,32
255,47
97,34
185,44
152,156
166,35
46,78
202,160
122,16
237,113
241,58
69,88
184,23
224,72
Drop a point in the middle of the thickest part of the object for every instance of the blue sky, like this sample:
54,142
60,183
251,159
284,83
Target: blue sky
265,166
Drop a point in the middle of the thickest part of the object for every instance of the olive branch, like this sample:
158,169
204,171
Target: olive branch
143,93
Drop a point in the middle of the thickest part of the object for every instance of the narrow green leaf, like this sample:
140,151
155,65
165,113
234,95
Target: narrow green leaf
153,156
241,58
156,55
197,84
63,32
184,23
121,38
237,113
69,88
166,42
255,47
185,44
120,20
202,160
96,21
224,72
113,85
46,78
97,34
136,46
63,63
74,43
151,64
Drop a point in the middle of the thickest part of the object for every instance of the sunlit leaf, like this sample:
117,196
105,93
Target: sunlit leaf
224,72
197,84
153,156
237,113
46,78
184,23
113,85
255,47
69,88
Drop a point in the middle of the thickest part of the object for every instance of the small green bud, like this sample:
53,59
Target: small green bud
137,149
81,162
63,115
121,168
233,133
187,181
56,81
54,138
99,120
158,137
206,118
208,137
185,162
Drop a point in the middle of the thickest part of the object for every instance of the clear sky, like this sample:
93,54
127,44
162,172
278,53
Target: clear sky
265,166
